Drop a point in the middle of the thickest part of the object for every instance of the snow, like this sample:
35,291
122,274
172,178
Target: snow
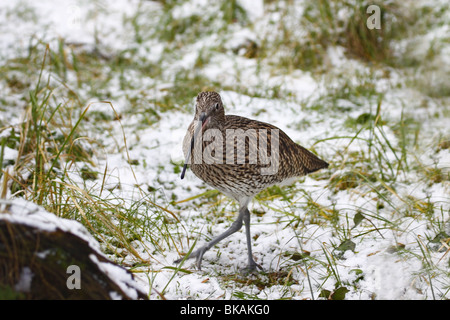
122,278
25,279
10,154
24,212
387,273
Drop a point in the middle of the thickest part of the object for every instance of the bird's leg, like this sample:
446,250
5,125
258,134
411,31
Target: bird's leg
252,265
198,254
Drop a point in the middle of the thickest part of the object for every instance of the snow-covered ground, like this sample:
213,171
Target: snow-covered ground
391,253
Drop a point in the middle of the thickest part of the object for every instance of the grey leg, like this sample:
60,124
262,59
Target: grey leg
198,254
252,265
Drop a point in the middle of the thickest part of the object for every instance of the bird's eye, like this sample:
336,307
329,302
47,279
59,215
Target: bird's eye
217,106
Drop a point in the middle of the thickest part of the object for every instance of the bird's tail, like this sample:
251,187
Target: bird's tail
311,161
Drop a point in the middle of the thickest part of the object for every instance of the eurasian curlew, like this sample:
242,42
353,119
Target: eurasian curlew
240,157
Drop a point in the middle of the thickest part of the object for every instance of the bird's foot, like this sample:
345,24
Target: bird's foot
251,268
198,255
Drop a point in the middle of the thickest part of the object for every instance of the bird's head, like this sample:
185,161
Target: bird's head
209,113
209,109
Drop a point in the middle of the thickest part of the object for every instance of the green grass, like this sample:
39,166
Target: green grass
51,145
325,24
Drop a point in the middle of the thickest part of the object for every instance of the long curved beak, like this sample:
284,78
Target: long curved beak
203,119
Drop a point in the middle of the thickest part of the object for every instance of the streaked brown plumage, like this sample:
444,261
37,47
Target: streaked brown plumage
240,180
